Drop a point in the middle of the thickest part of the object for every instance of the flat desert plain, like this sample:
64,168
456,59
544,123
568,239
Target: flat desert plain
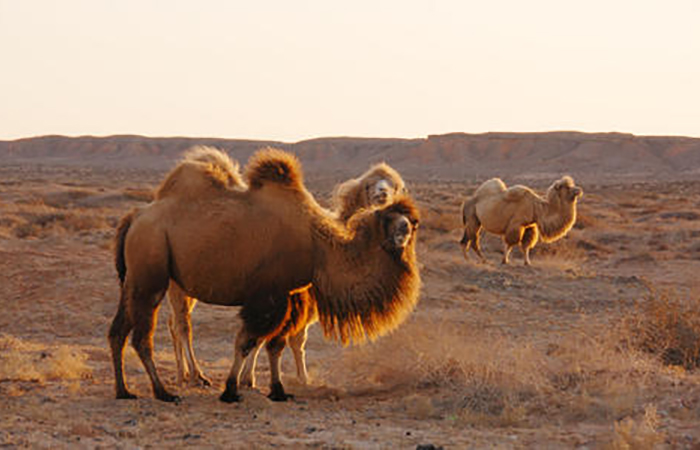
593,346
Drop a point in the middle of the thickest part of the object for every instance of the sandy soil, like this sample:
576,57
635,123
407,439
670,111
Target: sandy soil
493,357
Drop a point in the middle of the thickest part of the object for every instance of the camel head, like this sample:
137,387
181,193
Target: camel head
564,191
398,225
379,192
381,184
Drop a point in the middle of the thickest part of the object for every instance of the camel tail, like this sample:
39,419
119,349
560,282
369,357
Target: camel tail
271,165
119,241
468,209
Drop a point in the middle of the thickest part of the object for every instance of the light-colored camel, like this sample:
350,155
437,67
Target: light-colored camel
254,247
519,215
377,186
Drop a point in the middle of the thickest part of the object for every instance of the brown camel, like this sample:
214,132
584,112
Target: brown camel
519,215
377,186
254,247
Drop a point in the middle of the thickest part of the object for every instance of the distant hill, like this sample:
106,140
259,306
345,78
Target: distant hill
456,156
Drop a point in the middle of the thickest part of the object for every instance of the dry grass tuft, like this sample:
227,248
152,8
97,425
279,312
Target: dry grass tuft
488,378
642,434
27,361
36,219
667,327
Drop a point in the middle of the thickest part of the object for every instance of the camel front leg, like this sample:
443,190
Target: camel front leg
529,239
274,351
511,239
297,342
245,343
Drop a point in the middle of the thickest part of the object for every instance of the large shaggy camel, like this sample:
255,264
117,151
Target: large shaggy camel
519,215
253,248
377,186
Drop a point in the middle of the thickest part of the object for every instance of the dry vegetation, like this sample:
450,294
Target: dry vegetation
596,345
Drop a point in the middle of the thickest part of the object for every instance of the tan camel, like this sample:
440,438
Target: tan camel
201,169
377,186
519,215
252,248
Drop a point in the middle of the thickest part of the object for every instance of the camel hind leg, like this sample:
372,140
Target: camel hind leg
297,342
145,319
470,239
180,325
118,332
248,375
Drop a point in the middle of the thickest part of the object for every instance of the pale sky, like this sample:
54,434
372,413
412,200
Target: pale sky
296,69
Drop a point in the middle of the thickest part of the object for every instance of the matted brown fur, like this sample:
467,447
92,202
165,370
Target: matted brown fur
352,195
365,279
201,169
349,197
274,165
353,315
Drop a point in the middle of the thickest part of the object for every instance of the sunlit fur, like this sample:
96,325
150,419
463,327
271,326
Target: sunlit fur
349,197
354,194
356,311
201,169
519,214
215,246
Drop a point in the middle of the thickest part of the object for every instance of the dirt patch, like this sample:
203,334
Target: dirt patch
494,356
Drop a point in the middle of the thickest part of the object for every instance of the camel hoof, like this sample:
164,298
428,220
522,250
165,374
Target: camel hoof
248,384
126,395
230,397
277,393
200,381
168,397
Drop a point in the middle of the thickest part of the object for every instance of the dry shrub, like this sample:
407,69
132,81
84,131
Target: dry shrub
29,361
643,434
38,220
485,377
666,327
490,378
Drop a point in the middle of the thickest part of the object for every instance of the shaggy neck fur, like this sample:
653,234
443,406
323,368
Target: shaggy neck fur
362,290
554,217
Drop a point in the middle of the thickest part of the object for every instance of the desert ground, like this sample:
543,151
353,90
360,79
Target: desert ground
593,346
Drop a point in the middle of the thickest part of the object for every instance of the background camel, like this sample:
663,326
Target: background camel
364,276
519,215
377,186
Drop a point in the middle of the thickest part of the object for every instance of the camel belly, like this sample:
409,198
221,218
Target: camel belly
231,274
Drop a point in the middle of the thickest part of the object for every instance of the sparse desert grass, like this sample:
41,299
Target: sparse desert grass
497,380
22,360
641,434
667,327
36,219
